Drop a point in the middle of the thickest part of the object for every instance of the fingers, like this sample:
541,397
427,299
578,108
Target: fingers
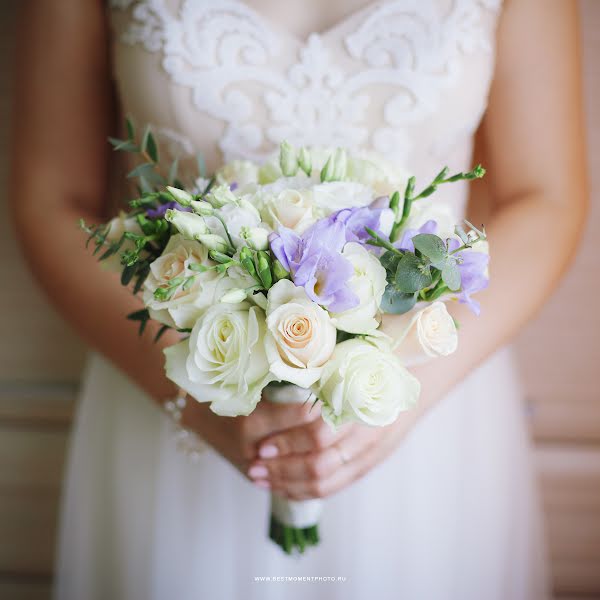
367,454
308,437
318,473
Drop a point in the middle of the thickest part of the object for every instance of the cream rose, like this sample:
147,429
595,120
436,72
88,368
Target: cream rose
301,335
185,302
422,335
293,209
223,361
365,383
368,284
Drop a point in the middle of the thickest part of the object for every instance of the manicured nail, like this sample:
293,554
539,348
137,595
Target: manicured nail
258,472
261,483
268,451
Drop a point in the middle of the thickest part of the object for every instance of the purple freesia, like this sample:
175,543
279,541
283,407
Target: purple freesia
356,220
316,263
159,212
405,242
472,266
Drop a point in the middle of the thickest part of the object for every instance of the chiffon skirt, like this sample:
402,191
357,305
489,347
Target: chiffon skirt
452,514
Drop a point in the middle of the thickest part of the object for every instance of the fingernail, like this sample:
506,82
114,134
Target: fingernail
258,472
268,451
263,484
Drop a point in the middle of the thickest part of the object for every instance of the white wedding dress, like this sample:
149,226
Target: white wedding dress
453,513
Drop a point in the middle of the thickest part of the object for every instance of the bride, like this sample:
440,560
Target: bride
442,504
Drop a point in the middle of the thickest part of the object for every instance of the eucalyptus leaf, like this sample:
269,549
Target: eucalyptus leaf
142,170
413,274
396,302
389,261
451,276
173,171
152,147
431,246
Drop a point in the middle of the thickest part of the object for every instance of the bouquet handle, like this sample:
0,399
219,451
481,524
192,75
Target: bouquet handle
294,523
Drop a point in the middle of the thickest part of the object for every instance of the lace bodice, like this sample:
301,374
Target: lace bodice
406,78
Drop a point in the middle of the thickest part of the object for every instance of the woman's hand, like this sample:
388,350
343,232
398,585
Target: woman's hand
312,461
236,438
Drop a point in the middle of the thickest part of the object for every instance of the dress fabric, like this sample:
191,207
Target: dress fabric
453,513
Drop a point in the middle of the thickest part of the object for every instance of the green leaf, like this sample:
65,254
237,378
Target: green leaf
127,274
124,145
152,148
201,165
160,333
139,315
413,274
142,170
431,246
173,171
130,128
396,302
451,276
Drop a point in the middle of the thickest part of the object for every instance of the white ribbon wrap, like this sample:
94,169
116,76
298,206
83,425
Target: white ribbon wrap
294,513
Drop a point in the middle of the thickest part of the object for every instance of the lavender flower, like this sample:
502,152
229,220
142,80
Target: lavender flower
159,212
472,266
405,242
356,220
316,264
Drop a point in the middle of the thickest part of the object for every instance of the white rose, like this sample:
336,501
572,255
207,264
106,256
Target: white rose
368,283
365,383
241,172
332,196
301,335
422,335
116,228
290,208
186,303
223,361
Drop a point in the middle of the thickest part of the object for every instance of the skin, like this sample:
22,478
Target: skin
530,140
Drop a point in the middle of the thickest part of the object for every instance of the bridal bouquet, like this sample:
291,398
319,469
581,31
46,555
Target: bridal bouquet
278,276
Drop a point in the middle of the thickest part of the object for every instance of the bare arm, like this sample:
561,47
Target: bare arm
63,115
534,152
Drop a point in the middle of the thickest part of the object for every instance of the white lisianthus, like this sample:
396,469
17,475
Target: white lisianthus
186,302
365,383
257,238
116,228
332,196
223,361
189,225
290,208
428,210
368,284
382,176
301,335
241,172
221,196
234,218
422,335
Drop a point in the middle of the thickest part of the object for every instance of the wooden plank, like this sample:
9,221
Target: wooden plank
25,590
40,406
31,467
570,480
560,419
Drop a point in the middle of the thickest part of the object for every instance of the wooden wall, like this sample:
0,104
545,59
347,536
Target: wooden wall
40,363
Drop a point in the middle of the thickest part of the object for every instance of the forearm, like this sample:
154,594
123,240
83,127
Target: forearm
91,299
532,240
